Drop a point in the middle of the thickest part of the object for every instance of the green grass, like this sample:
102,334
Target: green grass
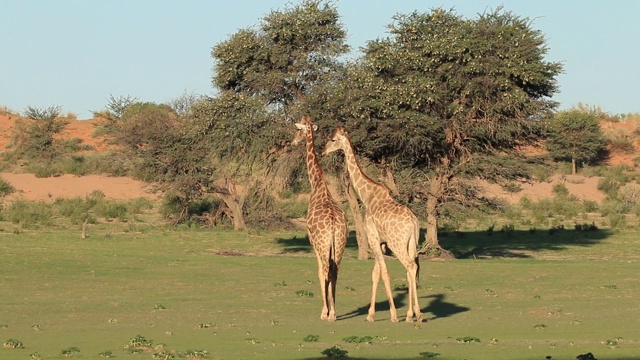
558,295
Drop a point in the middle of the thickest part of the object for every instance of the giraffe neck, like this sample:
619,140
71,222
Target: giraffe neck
313,167
366,187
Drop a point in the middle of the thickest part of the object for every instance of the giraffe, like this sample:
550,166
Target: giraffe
326,223
387,223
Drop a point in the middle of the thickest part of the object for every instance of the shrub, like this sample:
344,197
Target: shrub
110,209
48,113
560,189
589,206
29,214
620,140
5,187
629,194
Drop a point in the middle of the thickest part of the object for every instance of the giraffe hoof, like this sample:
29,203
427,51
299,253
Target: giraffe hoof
370,318
394,320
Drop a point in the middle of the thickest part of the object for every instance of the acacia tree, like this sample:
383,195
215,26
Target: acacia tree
263,76
442,90
574,135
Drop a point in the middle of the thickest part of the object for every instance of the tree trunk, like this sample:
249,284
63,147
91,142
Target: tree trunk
573,166
431,246
364,251
234,200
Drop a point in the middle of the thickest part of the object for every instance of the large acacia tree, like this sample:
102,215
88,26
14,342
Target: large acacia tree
262,77
443,91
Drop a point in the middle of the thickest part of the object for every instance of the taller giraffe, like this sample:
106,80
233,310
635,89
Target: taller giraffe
386,222
326,223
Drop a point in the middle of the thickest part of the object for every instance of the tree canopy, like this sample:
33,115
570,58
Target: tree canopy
574,135
442,90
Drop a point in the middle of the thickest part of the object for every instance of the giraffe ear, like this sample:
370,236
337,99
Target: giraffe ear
315,127
299,126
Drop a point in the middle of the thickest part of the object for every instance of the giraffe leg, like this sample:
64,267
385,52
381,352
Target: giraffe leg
412,274
375,277
333,279
322,279
387,287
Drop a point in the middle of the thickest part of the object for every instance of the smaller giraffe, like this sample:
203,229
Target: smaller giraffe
387,223
326,223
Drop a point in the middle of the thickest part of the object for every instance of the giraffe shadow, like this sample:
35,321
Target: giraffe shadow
440,308
381,306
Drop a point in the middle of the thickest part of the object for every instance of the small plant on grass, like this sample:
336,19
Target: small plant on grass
35,356
335,352
106,354
196,354
358,339
311,338
468,340
304,293
540,327
429,354
159,306
138,344
13,344
70,352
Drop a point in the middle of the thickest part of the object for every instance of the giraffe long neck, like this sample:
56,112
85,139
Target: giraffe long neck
363,184
313,167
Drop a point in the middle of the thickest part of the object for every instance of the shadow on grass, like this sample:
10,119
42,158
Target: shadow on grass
485,244
517,243
438,307
381,306
301,244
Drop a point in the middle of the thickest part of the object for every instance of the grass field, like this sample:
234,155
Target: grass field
511,296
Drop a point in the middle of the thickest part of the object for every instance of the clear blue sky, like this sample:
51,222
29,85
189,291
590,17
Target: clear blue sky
75,53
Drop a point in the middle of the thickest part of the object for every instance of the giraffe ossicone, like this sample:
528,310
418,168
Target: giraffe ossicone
386,222
326,222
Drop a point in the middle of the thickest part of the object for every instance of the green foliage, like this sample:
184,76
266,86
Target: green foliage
574,135
420,72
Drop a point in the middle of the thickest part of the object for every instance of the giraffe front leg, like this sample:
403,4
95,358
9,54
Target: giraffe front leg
387,287
375,277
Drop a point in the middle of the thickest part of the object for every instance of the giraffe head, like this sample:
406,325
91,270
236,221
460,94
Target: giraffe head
305,128
337,141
